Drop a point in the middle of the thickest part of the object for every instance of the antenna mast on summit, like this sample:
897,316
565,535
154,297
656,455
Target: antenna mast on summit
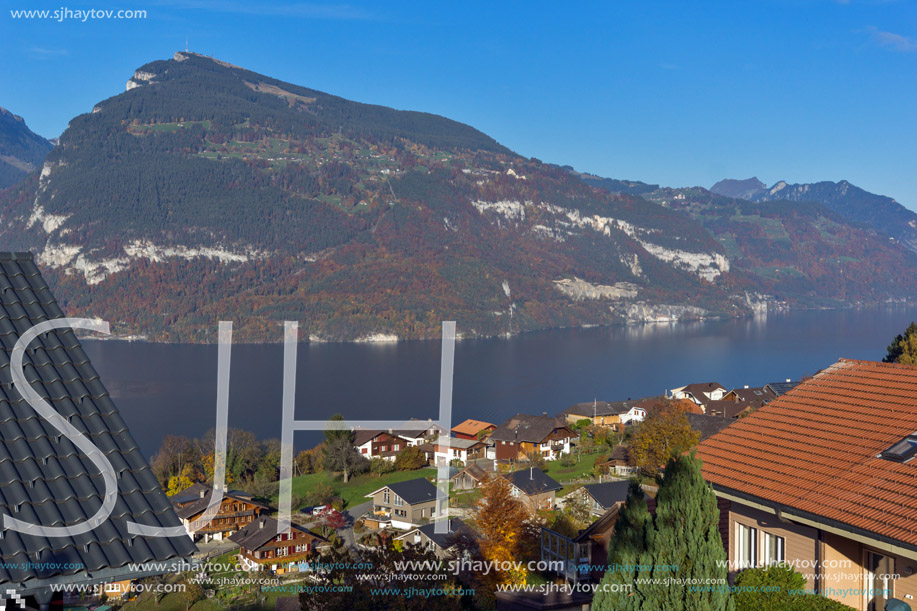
186,44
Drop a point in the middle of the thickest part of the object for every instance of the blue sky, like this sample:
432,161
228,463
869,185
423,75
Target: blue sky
676,93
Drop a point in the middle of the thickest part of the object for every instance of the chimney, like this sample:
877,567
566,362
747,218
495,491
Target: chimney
788,380
203,493
544,413
260,523
746,386
531,473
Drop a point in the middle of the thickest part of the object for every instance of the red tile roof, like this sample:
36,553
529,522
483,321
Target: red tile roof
814,449
472,427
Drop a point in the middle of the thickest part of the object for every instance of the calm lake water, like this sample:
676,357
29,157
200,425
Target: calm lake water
164,389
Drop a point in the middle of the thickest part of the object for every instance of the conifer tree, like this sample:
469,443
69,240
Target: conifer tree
683,533
626,550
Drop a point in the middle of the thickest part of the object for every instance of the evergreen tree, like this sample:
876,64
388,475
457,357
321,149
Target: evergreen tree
683,533
686,534
627,548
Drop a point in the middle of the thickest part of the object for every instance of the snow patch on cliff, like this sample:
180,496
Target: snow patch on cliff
148,250
510,210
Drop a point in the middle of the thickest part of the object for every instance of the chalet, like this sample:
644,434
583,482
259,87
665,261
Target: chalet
459,449
521,434
602,496
47,480
581,558
534,486
700,393
605,413
472,429
426,431
373,444
823,477
260,547
237,510
620,462
444,545
404,504
469,478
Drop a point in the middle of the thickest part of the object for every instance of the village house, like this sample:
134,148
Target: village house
426,431
534,486
620,462
459,449
403,505
584,556
781,388
469,478
378,444
472,429
602,496
48,481
612,414
522,434
824,478
237,509
444,545
261,547
700,393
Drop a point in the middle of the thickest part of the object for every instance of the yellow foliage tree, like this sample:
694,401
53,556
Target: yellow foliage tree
507,527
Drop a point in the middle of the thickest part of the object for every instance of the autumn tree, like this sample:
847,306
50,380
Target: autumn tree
663,433
410,458
416,566
903,348
175,454
507,526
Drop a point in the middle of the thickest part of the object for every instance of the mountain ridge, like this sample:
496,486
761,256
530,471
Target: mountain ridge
21,150
857,205
208,192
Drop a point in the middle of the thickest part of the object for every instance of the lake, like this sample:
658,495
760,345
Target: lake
164,389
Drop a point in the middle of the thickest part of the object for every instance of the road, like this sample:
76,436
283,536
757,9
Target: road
351,515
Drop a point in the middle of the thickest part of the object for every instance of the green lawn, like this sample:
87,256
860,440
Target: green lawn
580,469
355,491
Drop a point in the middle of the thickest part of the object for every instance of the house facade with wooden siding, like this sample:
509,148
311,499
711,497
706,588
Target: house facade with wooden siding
261,547
523,433
237,510
824,477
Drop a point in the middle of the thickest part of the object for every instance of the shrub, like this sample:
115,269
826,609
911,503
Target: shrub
786,595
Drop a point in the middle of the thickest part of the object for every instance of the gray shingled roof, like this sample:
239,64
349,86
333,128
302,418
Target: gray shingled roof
608,493
444,540
44,478
413,491
532,481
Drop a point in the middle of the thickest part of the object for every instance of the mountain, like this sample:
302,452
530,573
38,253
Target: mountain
208,192
801,253
739,189
879,212
21,149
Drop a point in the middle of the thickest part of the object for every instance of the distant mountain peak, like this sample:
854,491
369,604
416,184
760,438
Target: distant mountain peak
739,189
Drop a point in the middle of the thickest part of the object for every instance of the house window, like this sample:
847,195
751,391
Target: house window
396,447
281,551
386,497
363,450
399,502
746,546
383,448
773,549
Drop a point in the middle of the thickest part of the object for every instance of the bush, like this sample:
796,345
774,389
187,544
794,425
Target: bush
321,494
567,460
787,596
380,466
